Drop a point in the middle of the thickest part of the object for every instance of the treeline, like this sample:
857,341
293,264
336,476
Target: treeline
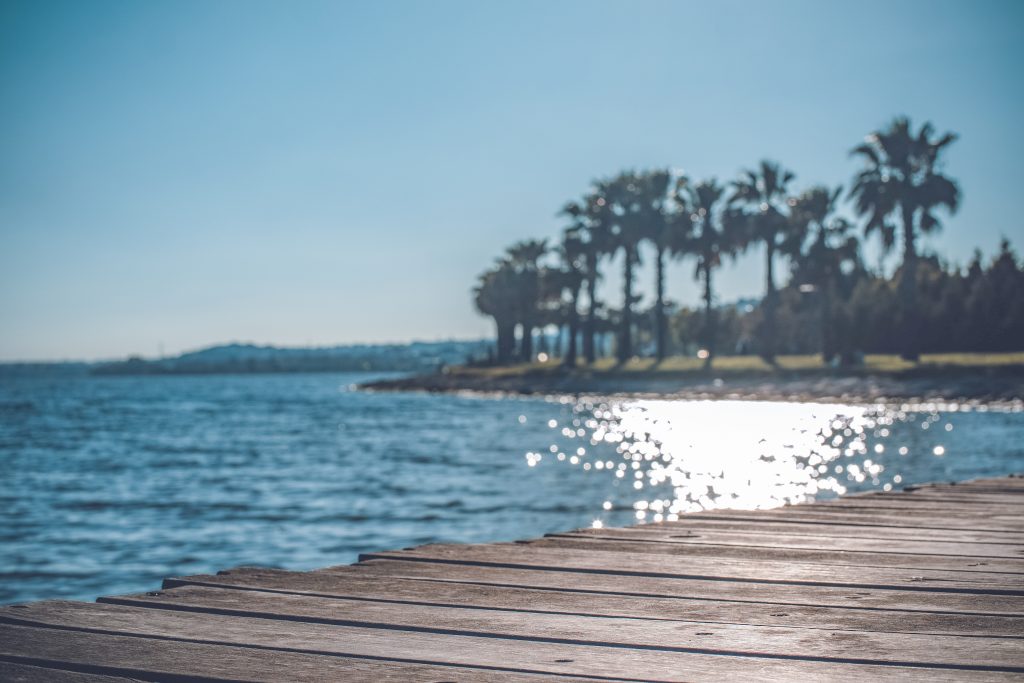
832,302
979,307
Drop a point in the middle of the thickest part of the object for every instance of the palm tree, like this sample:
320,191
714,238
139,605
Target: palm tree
758,204
572,254
590,224
657,225
612,201
830,252
524,259
631,205
902,178
709,240
496,294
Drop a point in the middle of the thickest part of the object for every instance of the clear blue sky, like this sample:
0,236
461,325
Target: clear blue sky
186,173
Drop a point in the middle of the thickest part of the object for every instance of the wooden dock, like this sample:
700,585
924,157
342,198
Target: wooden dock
920,585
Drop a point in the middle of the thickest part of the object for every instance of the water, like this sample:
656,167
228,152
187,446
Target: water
110,484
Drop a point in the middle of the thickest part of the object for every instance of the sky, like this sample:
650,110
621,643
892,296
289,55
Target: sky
180,174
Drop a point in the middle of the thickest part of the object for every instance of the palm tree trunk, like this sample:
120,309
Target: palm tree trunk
828,347
589,325
908,290
659,306
526,343
506,340
709,315
625,350
768,325
569,360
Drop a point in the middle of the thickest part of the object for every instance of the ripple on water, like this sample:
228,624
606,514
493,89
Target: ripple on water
111,484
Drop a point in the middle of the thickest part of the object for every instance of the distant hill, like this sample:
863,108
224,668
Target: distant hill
252,358
40,369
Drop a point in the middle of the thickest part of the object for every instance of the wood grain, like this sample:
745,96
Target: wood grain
921,585
729,569
517,656
164,659
354,582
720,638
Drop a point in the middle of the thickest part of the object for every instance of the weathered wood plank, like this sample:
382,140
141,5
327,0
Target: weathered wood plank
1011,484
862,517
684,566
465,650
925,502
839,550
724,638
924,507
922,514
920,585
958,497
176,660
697,589
839,530
827,558
961,494
24,673
352,582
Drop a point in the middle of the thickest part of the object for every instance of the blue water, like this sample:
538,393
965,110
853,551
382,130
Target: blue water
108,485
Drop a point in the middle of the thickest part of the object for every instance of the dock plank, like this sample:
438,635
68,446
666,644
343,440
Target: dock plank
774,551
11,672
840,543
868,517
66,651
837,530
351,582
722,638
730,569
675,587
470,651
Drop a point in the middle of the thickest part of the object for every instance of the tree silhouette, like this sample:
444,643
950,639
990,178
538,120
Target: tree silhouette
656,224
572,255
709,240
902,179
758,208
620,234
590,223
497,295
830,252
635,204
524,260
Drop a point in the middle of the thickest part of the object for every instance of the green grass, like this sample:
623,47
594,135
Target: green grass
673,365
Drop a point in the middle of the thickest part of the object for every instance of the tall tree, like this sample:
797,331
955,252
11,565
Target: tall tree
590,218
496,294
656,223
830,254
709,240
524,259
613,201
759,205
572,254
902,178
632,203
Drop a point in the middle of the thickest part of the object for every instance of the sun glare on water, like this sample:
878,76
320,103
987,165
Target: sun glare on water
674,457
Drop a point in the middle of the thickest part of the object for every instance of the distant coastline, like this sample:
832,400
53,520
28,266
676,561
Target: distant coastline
259,359
985,378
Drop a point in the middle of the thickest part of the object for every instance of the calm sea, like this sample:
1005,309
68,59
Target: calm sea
111,484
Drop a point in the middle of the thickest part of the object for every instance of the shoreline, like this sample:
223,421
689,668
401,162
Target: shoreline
994,385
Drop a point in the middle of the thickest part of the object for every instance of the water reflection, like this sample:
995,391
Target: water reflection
664,458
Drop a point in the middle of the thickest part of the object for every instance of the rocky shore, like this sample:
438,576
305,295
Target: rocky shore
999,384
